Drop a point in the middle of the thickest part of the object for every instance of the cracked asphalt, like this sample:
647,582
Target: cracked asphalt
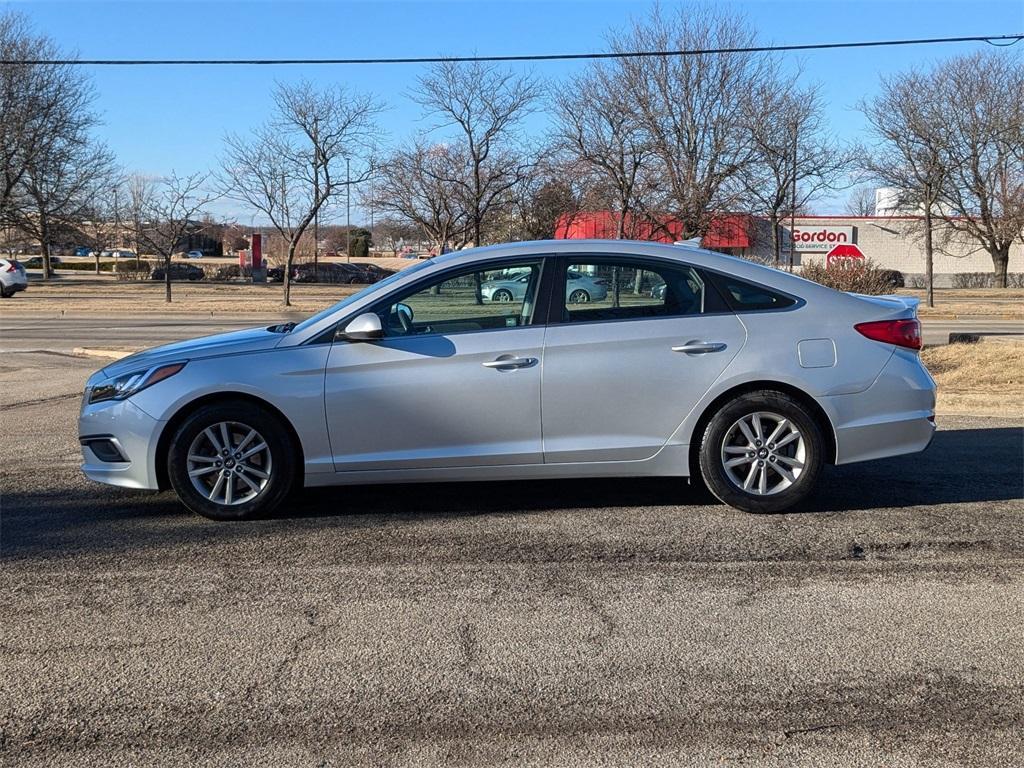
557,623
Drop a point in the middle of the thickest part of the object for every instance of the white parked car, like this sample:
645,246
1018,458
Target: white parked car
12,277
579,288
752,378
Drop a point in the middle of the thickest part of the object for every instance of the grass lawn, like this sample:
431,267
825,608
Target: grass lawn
985,379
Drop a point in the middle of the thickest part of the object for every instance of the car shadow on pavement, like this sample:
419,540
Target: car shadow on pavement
961,466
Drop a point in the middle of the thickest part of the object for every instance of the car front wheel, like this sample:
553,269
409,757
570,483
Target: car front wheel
231,462
762,452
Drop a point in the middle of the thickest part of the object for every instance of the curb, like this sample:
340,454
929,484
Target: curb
110,354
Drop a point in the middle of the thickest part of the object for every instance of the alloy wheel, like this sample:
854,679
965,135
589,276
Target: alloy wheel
763,453
229,463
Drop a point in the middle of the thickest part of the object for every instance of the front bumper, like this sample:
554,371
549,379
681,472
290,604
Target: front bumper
133,431
892,417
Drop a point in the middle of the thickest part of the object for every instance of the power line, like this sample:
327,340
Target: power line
990,39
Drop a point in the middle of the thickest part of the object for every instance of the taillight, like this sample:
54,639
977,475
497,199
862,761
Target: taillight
10,268
902,333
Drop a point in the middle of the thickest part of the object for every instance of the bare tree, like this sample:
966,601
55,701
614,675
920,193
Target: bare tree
794,157
484,105
167,211
392,232
598,130
414,185
861,202
290,168
56,189
693,109
908,151
47,155
982,129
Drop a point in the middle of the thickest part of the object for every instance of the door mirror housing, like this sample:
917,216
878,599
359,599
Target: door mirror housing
365,327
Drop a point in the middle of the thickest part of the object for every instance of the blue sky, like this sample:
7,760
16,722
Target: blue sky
158,119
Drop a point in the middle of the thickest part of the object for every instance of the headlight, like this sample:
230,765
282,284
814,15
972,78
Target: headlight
130,383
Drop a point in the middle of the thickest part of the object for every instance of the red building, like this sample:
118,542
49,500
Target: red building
729,233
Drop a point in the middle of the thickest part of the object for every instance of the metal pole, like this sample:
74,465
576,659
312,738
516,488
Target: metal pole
792,210
316,221
348,213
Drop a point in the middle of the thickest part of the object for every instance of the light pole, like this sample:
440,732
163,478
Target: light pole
348,213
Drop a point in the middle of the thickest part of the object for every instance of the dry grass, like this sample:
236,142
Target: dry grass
985,379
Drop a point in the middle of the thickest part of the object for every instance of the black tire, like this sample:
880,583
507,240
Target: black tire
280,445
501,295
582,297
720,429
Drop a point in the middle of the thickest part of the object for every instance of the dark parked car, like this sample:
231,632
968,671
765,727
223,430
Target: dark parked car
180,272
339,273
894,278
331,273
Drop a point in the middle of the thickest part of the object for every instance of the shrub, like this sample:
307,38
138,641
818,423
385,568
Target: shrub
130,269
972,280
917,281
85,266
853,276
232,272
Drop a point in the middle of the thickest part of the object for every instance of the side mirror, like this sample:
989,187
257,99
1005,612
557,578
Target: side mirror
365,327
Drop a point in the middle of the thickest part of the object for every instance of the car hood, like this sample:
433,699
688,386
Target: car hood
234,342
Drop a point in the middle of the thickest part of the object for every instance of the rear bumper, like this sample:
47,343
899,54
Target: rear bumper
14,287
892,417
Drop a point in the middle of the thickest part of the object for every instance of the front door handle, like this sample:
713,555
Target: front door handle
700,347
510,362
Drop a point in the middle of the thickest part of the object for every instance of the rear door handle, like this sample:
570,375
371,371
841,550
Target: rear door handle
509,362
700,347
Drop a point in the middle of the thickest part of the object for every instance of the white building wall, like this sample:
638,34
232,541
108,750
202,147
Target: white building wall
893,243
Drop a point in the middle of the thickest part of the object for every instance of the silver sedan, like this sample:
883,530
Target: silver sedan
692,363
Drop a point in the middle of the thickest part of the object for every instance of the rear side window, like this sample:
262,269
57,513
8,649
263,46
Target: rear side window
742,296
630,289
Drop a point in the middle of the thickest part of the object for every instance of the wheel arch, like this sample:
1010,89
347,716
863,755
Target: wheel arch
820,417
164,441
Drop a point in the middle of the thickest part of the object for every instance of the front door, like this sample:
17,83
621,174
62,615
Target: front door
639,344
454,382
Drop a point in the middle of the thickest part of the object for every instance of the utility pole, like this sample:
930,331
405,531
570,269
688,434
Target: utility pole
316,221
316,198
792,207
348,213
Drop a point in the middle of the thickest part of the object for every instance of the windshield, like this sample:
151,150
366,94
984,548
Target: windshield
310,321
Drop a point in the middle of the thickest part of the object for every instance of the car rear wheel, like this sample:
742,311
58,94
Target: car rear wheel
502,295
231,462
762,452
579,296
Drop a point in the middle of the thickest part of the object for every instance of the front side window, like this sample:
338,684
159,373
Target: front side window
475,300
630,289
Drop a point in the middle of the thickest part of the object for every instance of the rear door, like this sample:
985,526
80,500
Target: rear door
622,372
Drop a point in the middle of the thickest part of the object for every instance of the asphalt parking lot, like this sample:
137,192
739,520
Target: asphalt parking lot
562,623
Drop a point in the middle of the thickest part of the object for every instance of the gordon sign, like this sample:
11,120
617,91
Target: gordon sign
821,238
